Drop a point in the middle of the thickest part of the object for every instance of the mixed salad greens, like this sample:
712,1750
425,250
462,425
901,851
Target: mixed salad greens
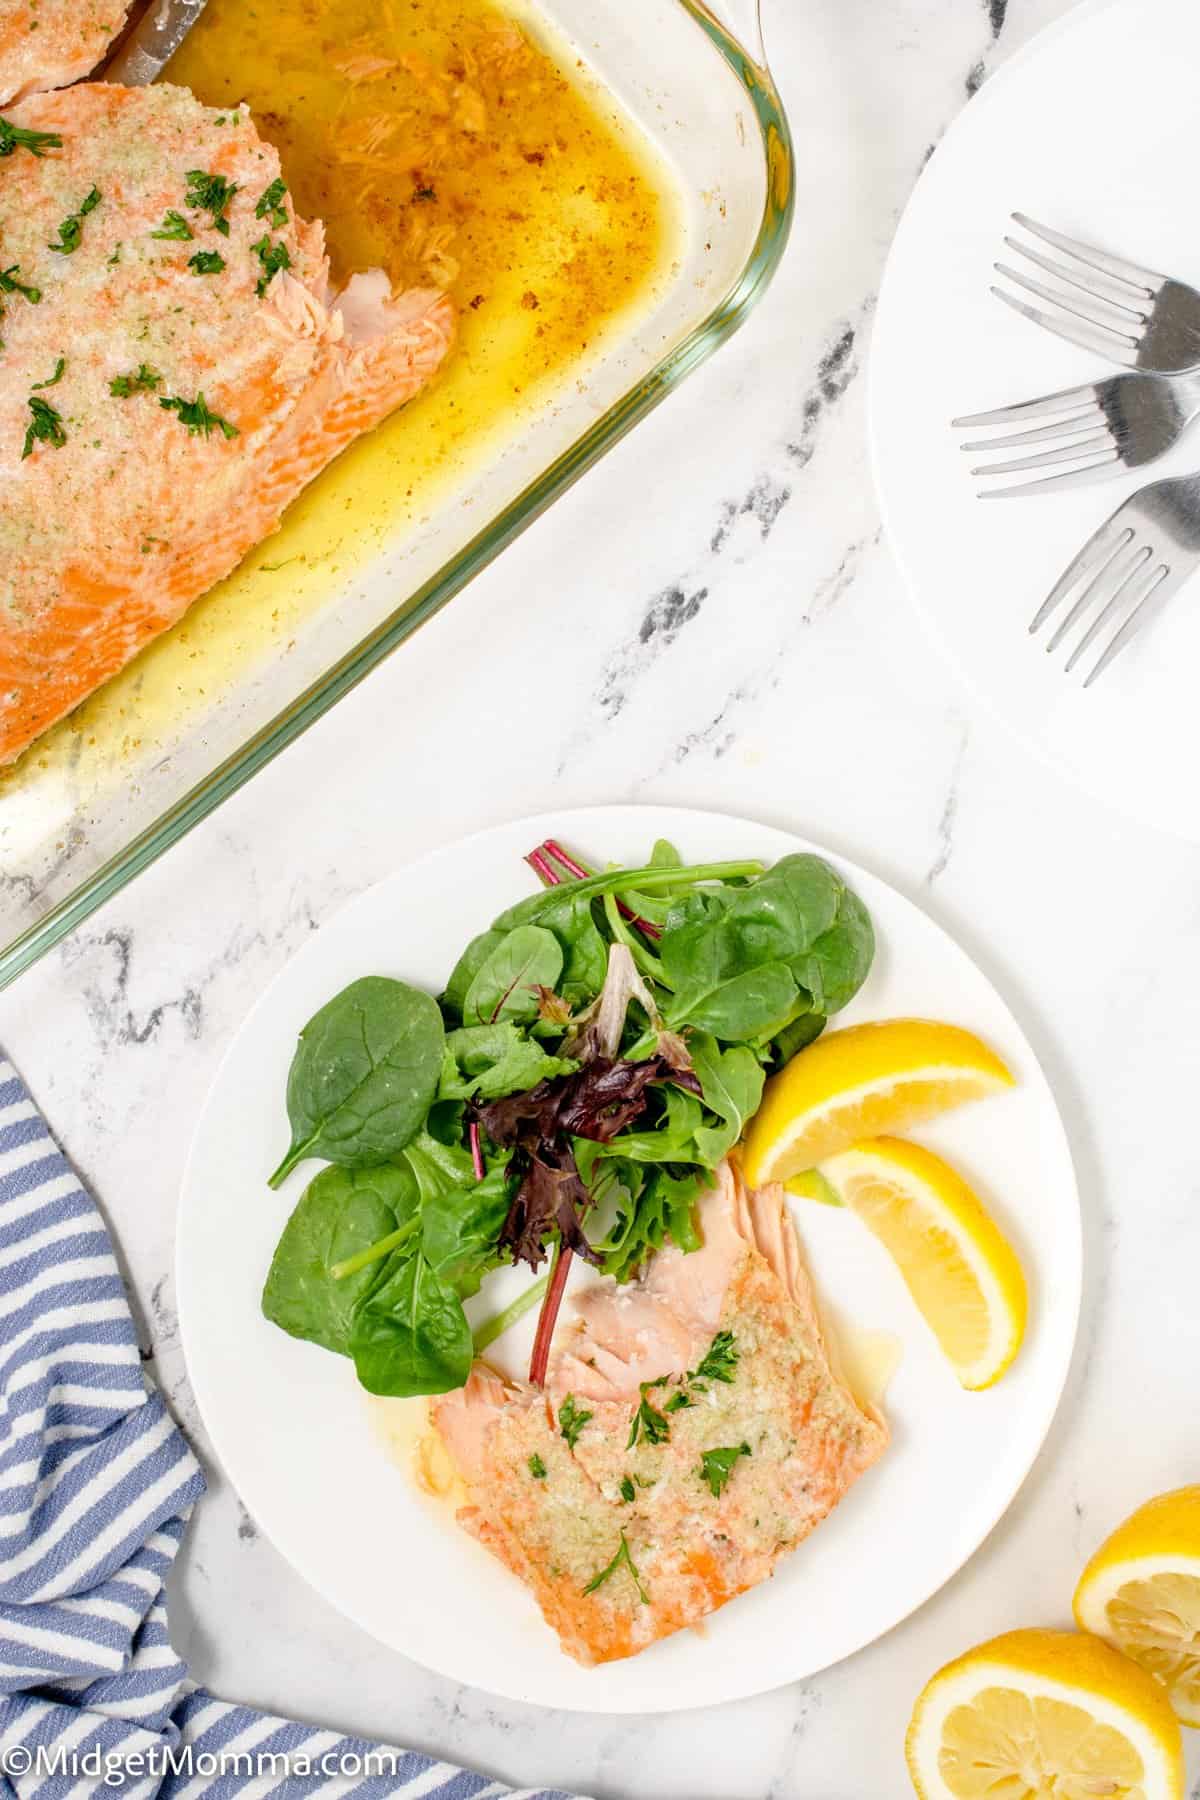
596,1052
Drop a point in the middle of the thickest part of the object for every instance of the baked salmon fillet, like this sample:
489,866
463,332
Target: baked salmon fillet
174,372
692,1432
47,43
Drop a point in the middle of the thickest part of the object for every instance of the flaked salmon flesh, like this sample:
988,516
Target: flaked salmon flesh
48,43
727,1477
116,512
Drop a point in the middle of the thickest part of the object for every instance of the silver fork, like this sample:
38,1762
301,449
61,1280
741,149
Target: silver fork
1124,312
1128,569
1100,429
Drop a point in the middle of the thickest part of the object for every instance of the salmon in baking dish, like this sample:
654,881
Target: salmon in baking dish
175,371
691,1433
47,43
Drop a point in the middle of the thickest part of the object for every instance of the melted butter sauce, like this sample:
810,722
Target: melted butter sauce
404,1429
450,142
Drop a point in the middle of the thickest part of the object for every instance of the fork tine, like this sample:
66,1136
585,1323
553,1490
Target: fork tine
1117,298
1049,459
1101,342
1062,426
1049,403
1100,546
1159,590
1121,325
1115,266
1049,484
1097,590
1133,578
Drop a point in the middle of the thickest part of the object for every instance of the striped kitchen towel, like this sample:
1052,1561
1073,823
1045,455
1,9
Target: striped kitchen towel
96,1485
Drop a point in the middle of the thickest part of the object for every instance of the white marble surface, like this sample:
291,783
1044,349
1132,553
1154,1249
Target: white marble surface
710,618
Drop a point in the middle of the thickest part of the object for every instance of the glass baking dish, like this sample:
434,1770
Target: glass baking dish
110,788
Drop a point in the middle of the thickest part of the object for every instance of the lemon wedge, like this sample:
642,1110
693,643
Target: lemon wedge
860,1081
1141,1591
1044,1715
958,1265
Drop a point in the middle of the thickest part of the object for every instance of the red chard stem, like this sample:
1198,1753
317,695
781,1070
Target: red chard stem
548,1317
476,1151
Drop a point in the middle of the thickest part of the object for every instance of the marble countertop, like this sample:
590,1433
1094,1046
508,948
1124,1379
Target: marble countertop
728,633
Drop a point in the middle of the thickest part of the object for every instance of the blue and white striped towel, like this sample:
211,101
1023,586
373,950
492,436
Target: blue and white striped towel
96,1485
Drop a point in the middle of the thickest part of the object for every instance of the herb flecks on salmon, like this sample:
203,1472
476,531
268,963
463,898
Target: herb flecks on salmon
70,232
296,374
206,262
17,137
174,227
45,427
211,193
273,257
53,380
771,1443
270,205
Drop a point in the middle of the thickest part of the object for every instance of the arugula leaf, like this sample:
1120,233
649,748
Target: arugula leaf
571,1421
340,1212
662,1207
716,1466
410,1335
622,1556
364,1075
732,1084
174,227
18,137
506,982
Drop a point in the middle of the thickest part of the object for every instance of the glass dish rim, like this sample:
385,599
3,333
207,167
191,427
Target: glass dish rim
635,404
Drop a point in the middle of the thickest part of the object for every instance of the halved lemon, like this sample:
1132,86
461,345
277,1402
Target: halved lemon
1141,1591
958,1265
866,1079
1044,1715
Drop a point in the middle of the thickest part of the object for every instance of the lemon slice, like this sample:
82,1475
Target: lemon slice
866,1079
1044,1715
958,1265
1141,1591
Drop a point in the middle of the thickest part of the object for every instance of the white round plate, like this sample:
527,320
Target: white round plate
296,1434
1093,130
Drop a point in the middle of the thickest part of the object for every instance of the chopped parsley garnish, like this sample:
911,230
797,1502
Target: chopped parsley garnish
10,285
71,230
716,1466
45,427
273,257
196,416
720,1360
54,379
14,137
207,262
270,203
611,1568
211,194
648,1423
143,381
174,225
537,1467
628,1491
678,1401
571,1421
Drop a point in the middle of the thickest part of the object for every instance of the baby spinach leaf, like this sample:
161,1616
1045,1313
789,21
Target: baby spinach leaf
460,1228
364,1074
840,959
410,1335
754,1004
506,982
489,1061
339,1213
732,1083
585,953
804,1029
467,967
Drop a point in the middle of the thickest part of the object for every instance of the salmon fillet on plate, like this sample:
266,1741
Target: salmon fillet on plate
691,1433
47,43
175,370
